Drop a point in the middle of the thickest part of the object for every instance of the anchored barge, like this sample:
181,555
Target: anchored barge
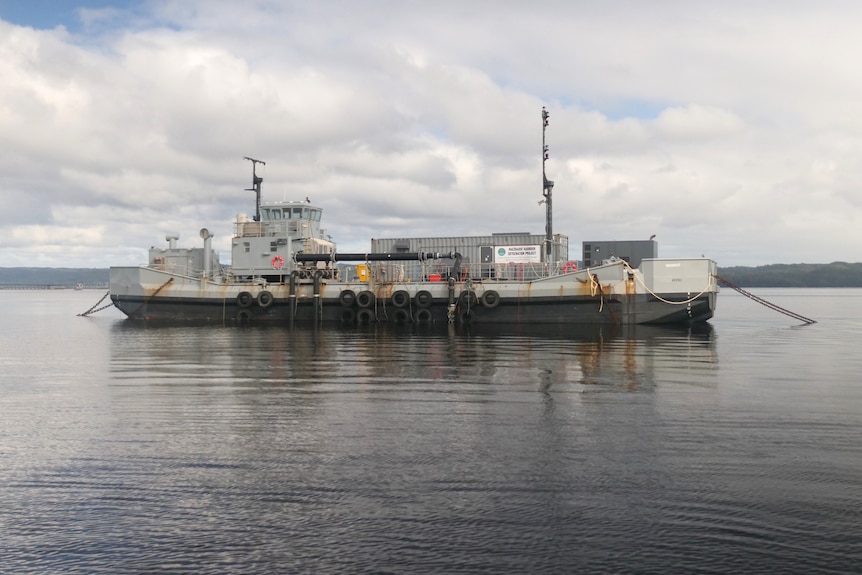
284,270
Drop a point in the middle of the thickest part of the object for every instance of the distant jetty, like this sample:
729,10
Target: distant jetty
53,278
50,286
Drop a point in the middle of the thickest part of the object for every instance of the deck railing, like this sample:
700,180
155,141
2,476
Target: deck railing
281,229
408,271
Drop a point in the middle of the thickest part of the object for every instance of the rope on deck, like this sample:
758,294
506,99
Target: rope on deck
762,301
658,297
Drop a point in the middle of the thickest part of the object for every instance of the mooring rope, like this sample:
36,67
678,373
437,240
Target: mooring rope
762,301
661,299
596,287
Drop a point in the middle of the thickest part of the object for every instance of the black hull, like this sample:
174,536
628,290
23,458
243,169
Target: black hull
634,309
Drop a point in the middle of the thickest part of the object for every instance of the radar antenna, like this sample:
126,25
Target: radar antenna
255,185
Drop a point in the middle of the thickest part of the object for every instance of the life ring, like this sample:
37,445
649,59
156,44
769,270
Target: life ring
401,315
490,299
244,299
423,315
348,315
277,262
570,267
347,297
243,317
264,299
365,299
423,298
364,315
400,298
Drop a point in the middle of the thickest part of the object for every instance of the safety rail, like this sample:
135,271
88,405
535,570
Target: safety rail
298,229
385,272
189,272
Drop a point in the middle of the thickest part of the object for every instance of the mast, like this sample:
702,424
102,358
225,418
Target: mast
547,191
255,185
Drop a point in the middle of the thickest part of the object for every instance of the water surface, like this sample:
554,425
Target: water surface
210,449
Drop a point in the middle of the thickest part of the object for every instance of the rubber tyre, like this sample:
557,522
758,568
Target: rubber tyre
490,299
347,297
423,299
467,316
401,315
365,299
469,297
244,299
400,298
364,315
265,299
423,315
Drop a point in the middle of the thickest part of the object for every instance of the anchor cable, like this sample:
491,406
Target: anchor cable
768,304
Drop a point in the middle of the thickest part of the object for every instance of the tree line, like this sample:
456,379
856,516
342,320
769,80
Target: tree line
61,277
836,274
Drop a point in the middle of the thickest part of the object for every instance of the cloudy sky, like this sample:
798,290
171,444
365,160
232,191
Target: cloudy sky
730,129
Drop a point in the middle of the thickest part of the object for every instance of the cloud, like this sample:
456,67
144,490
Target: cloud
728,130
698,123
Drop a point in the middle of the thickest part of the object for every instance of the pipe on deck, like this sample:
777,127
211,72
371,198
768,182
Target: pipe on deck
374,257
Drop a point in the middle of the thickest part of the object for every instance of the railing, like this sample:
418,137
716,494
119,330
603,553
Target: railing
408,271
413,271
187,271
282,229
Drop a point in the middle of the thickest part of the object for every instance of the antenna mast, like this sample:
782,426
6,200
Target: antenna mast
547,191
255,185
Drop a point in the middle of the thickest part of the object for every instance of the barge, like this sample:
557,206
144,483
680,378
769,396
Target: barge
285,270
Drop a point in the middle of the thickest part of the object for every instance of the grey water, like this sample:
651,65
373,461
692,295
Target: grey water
736,448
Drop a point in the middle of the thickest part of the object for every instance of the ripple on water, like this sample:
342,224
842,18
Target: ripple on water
220,450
